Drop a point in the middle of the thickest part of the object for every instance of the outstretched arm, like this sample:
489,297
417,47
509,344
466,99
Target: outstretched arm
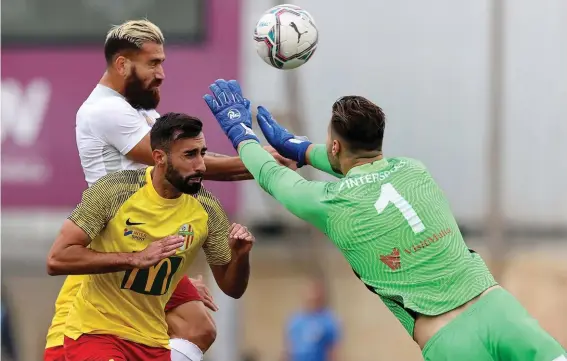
305,199
130,134
290,146
222,167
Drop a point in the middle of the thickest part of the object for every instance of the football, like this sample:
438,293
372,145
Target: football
286,36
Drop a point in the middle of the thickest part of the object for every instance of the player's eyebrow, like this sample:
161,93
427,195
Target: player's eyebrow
195,150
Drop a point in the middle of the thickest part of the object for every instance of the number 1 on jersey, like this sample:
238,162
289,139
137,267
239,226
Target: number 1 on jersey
389,194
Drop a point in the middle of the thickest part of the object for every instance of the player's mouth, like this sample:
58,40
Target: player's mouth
195,180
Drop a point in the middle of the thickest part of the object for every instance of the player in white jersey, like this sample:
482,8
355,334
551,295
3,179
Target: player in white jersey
112,133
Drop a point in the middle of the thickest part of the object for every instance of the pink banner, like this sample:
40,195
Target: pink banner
43,88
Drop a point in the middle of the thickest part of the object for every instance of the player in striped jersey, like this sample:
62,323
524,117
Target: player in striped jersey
134,235
393,224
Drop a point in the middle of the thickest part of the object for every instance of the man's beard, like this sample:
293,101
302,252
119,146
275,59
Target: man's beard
138,95
184,185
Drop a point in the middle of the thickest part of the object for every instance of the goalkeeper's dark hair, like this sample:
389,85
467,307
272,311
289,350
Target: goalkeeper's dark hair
359,122
171,127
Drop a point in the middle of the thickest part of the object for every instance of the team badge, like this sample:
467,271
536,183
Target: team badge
186,231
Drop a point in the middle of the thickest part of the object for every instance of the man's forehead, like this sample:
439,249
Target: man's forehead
189,143
153,50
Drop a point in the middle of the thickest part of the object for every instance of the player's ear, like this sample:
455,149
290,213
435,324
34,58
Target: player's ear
122,64
336,147
159,156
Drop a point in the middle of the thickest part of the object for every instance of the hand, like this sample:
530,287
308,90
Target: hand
240,239
156,251
231,110
204,292
291,164
287,144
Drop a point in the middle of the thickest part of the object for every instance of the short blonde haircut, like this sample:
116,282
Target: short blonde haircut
129,35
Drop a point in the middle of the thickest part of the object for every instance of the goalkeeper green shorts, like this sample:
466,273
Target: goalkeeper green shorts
494,328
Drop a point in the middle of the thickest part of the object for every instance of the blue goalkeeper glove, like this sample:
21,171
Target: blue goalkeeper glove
231,110
285,143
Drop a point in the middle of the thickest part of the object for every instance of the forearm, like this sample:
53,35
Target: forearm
261,164
302,198
222,167
235,280
79,260
317,157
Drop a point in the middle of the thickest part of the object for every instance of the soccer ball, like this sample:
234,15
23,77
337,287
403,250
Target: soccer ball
286,36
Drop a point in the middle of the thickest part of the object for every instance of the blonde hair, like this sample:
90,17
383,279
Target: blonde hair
131,34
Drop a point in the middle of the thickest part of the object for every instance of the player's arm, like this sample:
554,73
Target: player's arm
129,133
220,167
303,198
299,149
316,156
230,267
70,254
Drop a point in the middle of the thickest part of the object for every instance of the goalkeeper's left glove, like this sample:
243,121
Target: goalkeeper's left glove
287,144
231,110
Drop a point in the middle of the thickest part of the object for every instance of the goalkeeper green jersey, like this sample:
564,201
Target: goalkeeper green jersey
393,224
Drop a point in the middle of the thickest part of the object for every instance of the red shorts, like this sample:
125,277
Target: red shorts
184,292
106,347
56,353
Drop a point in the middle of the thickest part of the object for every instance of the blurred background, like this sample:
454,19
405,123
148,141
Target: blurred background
477,90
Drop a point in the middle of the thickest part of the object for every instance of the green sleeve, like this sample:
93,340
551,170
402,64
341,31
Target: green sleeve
305,199
319,159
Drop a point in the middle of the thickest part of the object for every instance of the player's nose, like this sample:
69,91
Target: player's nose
200,166
160,73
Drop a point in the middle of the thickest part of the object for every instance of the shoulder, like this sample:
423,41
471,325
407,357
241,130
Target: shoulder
210,203
105,107
406,161
107,112
119,184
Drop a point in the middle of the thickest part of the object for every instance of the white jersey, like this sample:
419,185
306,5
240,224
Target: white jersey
107,128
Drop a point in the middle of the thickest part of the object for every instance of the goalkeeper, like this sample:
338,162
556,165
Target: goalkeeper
393,224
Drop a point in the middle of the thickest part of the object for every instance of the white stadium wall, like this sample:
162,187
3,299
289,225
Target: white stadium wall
427,65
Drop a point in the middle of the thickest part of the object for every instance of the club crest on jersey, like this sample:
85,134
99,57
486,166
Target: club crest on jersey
186,231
